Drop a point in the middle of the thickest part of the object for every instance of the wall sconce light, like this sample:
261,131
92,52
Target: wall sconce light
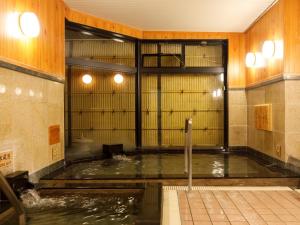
250,59
87,78
255,60
29,24
259,60
273,49
118,78
278,49
268,49
19,25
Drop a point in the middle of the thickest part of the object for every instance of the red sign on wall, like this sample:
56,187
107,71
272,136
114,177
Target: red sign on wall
54,134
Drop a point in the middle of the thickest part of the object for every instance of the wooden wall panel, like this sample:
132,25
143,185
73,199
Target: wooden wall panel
45,53
292,37
263,117
268,27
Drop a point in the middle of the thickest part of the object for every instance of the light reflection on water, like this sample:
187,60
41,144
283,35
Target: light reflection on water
78,209
172,165
217,169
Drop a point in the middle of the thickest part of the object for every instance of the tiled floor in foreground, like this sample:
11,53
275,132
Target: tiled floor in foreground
239,207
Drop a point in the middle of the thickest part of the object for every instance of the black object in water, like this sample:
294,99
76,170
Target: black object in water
19,182
110,150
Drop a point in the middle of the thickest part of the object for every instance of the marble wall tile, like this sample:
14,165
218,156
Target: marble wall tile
267,141
238,136
29,105
292,120
237,118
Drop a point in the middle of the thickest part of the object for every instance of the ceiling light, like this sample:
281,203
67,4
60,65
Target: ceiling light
250,59
118,78
87,78
268,49
29,24
87,33
118,40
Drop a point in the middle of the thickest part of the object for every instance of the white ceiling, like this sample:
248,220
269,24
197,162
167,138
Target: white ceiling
177,15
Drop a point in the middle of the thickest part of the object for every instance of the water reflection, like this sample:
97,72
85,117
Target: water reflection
172,166
18,91
217,169
78,209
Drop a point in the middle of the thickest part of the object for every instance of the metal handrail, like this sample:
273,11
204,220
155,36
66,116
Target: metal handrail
12,198
188,151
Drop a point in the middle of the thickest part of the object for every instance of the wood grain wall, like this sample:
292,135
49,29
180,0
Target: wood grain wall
281,22
43,54
268,27
291,20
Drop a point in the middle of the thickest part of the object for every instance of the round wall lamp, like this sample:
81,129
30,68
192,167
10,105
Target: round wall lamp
250,59
87,78
118,78
29,24
268,49
273,49
259,60
255,60
278,49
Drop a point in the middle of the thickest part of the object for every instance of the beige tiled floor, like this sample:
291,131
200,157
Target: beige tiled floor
206,207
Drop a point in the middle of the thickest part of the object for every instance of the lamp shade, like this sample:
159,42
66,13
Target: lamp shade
87,79
259,60
250,59
29,24
279,49
268,49
118,78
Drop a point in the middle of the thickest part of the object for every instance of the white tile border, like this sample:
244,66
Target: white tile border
229,188
171,214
